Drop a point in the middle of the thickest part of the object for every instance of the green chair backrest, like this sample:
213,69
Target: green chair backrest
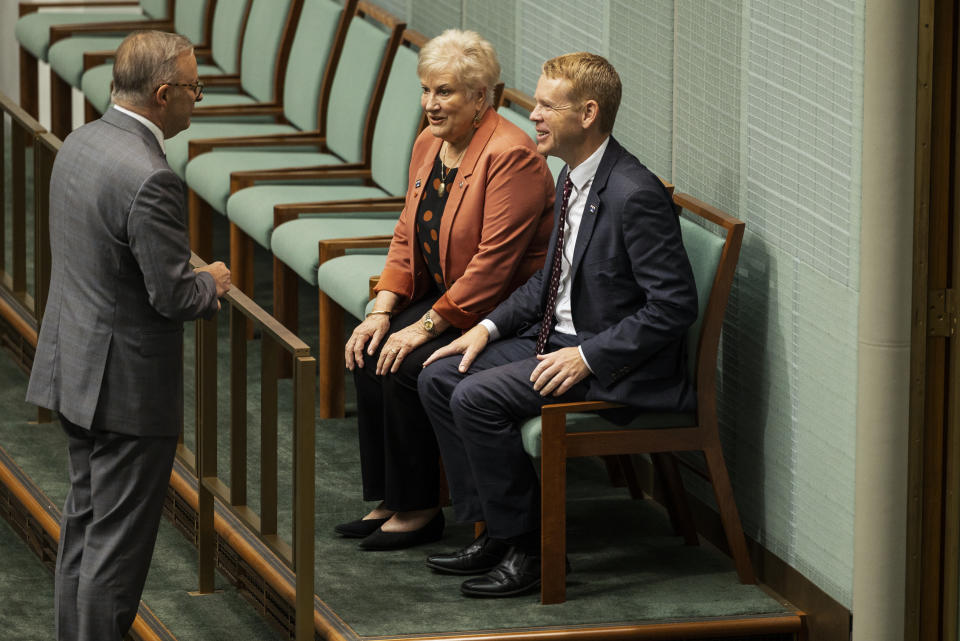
522,121
704,249
225,33
308,60
397,124
156,9
188,19
261,46
353,87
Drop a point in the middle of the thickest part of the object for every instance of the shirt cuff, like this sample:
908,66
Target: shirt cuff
492,329
584,357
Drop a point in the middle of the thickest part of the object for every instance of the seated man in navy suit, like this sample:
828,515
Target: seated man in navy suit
604,319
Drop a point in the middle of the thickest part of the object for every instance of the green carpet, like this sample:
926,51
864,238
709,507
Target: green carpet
26,591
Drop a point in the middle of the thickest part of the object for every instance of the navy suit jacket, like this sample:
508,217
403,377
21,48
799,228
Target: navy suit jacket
633,293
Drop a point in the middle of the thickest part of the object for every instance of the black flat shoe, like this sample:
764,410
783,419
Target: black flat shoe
518,573
358,529
479,557
380,540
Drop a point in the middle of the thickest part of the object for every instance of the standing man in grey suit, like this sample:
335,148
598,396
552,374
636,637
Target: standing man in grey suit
604,319
110,354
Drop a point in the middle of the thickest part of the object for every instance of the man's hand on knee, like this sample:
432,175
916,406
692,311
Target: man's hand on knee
470,345
558,371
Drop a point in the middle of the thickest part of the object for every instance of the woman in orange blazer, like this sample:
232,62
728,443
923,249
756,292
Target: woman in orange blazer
475,225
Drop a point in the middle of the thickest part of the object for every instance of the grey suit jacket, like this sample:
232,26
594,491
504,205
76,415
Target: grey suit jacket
110,351
633,293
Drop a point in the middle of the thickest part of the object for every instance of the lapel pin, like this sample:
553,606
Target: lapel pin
417,184
461,183
593,209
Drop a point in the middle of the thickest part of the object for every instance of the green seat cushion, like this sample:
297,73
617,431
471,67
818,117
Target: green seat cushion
95,86
66,56
209,174
33,30
530,430
251,209
294,243
347,280
178,146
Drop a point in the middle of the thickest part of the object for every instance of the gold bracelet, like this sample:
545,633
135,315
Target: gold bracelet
379,311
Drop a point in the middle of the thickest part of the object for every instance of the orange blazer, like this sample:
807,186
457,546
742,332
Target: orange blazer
495,224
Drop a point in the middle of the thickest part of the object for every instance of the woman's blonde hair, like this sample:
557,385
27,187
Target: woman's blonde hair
466,55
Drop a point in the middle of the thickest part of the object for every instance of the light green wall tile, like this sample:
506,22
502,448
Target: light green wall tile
643,56
496,20
432,17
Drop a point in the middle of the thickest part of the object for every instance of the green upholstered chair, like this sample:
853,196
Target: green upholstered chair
568,430
66,54
380,139
41,21
218,50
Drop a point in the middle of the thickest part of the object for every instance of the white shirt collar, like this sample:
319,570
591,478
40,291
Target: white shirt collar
583,173
154,129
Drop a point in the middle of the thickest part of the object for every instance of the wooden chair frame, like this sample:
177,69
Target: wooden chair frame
558,445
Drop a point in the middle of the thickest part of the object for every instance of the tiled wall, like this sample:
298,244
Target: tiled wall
755,107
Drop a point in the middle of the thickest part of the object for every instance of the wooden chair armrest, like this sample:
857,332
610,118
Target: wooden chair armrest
33,7
93,59
336,247
516,97
262,109
580,406
199,146
285,212
243,179
224,80
60,31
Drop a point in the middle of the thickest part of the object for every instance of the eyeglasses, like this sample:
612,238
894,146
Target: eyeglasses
195,87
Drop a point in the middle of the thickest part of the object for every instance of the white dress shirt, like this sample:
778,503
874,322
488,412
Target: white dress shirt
149,124
582,178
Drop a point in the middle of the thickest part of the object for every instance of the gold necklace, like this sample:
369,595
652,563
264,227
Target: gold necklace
443,170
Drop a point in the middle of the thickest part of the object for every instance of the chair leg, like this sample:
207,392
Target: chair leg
676,498
241,265
201,233
553,510
29,92
630,477
330,358
614,470
61,106
729,516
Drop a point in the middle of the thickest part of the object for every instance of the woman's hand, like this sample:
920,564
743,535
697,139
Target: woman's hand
367,334
399,345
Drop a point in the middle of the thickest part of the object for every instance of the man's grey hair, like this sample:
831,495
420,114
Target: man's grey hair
144,61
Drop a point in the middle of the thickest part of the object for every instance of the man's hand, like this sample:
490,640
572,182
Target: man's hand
558,371
221,276
470,345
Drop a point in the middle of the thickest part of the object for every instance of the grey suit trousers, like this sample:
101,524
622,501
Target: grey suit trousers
108,530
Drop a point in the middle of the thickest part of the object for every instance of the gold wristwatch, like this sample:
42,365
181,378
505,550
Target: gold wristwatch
428,325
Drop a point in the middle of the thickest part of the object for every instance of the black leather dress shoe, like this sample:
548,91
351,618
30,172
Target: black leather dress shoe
358,529
380,540
479,557
518,573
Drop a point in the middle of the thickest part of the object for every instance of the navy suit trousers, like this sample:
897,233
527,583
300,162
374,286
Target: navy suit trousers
476,418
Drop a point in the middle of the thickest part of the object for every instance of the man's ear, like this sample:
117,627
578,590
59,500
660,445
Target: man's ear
589,113
161,95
